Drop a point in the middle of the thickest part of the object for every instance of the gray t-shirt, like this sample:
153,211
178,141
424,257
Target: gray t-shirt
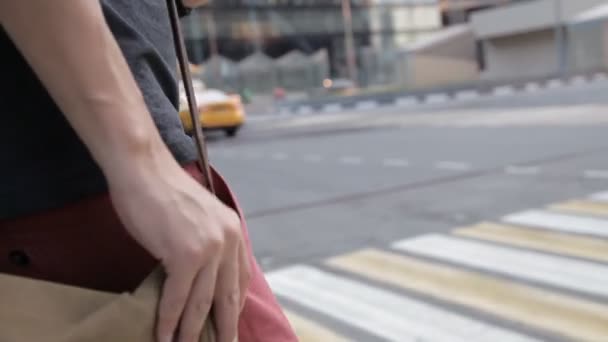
43,164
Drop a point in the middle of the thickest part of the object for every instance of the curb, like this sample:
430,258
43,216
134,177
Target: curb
457,96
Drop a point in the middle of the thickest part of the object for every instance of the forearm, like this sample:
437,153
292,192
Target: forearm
71,49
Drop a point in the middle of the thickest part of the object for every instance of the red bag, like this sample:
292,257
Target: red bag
262,319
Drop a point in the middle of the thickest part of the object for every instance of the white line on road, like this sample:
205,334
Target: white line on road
453,165
556,271
437,98
596,174
406,101
227,153
522,170
279,156
555,83
532,87
380,312
312,158
503,91
351,160
365,105
465,95
285,112
252,155
578,80
559,222
332,108
600,76
600,197
395,162
304,110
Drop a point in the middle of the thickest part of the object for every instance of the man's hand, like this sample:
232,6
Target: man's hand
195,236
199,242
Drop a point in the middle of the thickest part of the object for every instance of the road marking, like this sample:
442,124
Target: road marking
406,101
395,162
596,174
285,111
578,80
532,87
565,315
332,108
577,246
582,207
351,160
600,197
555,83
522,170
309,331
465,95
436,98
304,110
279,156
557,271
380,312
365,105
252,155
600,76
503,91
227,154
312,158
452,165
559,222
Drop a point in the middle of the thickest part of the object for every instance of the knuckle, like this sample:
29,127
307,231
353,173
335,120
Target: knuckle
232,228
193,251
215,242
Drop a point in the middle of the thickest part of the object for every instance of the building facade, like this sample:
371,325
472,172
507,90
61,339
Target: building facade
528,39
237,28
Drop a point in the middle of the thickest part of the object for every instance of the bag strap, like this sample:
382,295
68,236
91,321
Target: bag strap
182,58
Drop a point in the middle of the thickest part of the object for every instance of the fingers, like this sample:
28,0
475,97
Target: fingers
173,300
199,303
226,307
244,273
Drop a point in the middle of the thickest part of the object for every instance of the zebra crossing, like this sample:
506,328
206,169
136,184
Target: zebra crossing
535,275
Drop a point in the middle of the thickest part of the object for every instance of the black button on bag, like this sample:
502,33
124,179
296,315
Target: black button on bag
19,258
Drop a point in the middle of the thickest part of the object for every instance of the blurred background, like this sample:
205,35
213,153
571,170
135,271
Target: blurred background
416,170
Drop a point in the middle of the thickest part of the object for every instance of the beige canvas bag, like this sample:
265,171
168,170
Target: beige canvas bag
34,310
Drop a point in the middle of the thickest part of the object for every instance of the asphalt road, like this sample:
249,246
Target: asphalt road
318,187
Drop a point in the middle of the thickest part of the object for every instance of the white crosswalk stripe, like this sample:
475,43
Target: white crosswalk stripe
512,271
600,197
382,313
559,222
552,270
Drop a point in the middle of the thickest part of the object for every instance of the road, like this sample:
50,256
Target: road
477,221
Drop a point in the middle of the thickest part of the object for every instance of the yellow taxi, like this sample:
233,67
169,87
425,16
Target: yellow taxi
216,110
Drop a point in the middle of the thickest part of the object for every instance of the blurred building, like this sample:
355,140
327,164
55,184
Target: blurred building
459,11
527,39
237,29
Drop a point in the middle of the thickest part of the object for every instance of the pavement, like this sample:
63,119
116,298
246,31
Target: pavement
477,221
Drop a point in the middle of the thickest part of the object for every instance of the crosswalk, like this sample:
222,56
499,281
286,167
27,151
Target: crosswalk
535,275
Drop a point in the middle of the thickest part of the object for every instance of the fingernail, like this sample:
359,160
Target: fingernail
168,338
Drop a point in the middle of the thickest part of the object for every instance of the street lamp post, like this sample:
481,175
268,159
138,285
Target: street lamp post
349,42
560,39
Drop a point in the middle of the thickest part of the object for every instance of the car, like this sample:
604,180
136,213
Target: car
217,110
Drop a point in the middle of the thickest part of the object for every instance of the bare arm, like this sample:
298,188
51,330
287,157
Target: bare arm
73,52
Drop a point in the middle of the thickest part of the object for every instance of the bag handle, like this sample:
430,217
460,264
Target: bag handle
182,57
